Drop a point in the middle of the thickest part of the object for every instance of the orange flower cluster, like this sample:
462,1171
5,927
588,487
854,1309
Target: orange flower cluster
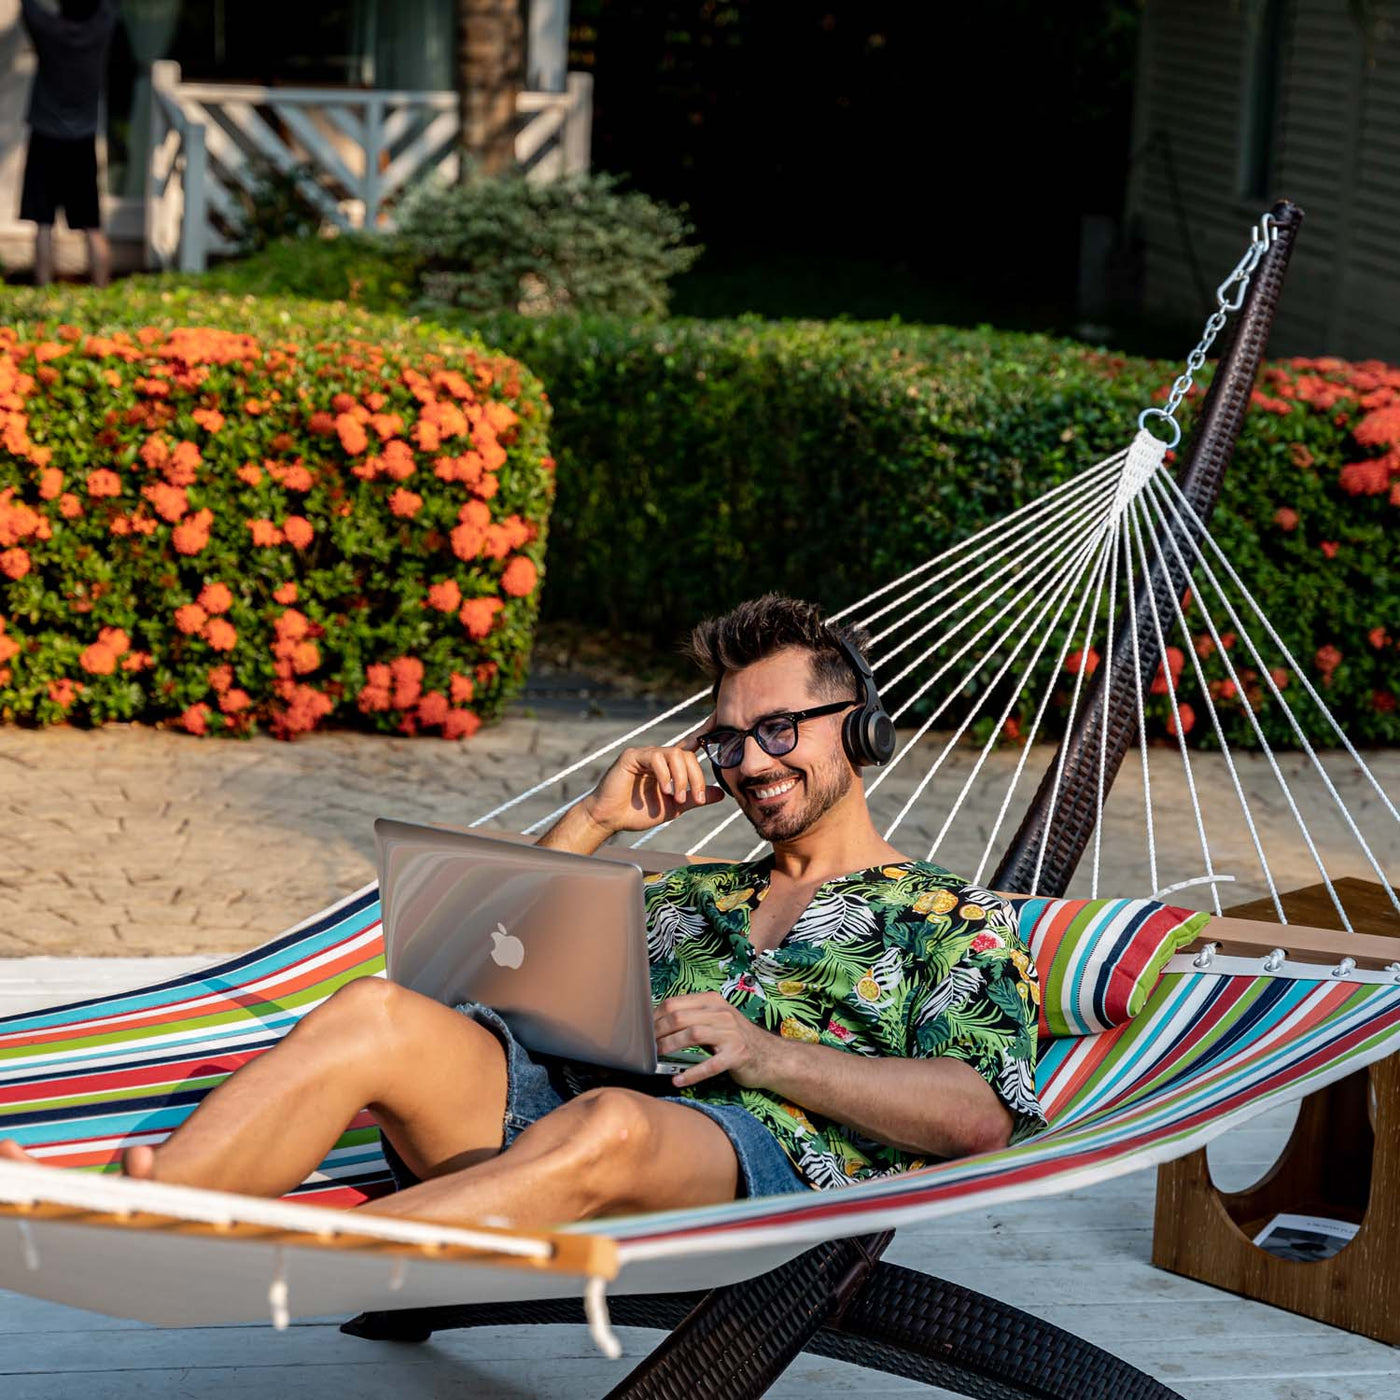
398,685
339,422
1326,385
101,658
1077,661
478,615
520,577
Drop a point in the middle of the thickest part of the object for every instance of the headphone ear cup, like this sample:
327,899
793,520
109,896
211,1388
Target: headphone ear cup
879,732
852,739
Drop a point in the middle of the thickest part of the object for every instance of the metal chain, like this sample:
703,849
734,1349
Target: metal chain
1229,296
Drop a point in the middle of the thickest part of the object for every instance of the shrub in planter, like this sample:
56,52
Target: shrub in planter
300,521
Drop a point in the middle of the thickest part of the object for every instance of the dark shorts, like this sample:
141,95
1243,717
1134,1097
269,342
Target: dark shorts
536,1085
61,174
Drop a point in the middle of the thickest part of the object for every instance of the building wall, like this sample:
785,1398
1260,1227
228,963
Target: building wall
1335,148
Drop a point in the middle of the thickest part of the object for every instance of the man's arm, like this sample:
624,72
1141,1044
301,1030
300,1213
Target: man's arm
940,1107
576,831
644,788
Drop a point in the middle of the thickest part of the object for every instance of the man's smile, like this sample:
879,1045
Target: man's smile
772,792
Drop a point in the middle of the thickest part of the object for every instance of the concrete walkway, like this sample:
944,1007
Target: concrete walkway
126,840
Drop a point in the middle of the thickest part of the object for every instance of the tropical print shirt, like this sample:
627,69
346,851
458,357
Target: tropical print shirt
904,959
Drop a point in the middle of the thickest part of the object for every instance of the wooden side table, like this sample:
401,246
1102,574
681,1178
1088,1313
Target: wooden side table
1342,1161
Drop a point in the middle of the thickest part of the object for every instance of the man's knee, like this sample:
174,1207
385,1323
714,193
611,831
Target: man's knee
615,1129
372,1007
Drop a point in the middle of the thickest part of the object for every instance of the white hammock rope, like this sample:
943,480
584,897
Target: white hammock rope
1070,520
1068,575
954,690
1046,696
1159,497
954,633
972,547
1180,728
1287,655
1141,709
997,531
1018,550
1103,724
1223,652
1085,648
999,727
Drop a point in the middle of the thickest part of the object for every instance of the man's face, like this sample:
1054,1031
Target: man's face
786,796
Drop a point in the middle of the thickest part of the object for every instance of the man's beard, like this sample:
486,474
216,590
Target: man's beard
817,792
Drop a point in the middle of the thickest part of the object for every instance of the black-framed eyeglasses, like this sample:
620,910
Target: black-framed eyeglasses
775,735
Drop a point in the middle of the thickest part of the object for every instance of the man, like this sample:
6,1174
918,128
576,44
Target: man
60,166
865,1012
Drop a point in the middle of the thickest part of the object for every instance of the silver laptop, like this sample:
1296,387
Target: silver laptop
554,942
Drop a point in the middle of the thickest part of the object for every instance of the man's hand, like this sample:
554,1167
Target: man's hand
648,786
744,1051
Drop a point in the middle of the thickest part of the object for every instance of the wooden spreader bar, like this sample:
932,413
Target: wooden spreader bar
585,1256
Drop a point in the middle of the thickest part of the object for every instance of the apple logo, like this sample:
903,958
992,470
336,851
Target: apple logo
506,949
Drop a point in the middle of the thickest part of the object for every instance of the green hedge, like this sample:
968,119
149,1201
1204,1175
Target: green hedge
704,462
220,514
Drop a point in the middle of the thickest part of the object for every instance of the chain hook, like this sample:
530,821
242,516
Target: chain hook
1229,297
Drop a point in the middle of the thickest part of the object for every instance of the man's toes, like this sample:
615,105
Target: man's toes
11,1151
139,1162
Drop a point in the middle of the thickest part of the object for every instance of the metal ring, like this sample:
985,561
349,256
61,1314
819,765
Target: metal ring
1160,413
1344,968
1205,957
1275,960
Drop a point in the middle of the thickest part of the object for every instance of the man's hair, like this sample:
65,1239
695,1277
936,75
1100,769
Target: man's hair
763,626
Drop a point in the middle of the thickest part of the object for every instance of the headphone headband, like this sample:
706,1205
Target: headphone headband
868,733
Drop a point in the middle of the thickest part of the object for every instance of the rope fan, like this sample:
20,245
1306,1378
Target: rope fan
1072,611
1113,579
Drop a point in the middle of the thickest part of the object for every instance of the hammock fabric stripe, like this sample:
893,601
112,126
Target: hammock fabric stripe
79,1083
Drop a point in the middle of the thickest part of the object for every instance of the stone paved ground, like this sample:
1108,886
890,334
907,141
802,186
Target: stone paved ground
126,841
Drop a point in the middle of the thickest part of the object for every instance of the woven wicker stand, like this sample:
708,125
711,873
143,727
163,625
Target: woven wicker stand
1342,1162
839,1299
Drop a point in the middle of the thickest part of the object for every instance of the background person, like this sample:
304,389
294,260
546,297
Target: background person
60,166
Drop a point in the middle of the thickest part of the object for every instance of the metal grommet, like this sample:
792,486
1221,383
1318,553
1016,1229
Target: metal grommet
1344,968
1205,957
1160,413
1275,960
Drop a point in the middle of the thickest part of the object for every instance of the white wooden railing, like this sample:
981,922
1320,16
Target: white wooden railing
351,151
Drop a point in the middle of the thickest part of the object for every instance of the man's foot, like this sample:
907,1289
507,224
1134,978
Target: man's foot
139,1162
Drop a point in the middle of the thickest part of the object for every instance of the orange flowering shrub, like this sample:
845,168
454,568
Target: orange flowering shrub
221,529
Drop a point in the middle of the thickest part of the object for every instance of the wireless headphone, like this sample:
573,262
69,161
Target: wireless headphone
867,732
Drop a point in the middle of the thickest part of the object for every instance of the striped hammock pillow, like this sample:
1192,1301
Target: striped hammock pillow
1099,959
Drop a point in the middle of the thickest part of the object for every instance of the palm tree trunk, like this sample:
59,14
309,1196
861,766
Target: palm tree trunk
490,60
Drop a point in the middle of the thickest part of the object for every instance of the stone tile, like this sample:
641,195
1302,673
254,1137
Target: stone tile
126,840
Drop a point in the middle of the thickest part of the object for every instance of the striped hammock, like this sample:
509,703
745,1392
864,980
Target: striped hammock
1214,1046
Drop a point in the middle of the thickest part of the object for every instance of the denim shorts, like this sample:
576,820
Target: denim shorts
538,1084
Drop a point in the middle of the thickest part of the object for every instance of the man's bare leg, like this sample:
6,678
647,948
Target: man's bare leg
434,1078
99,253
43,255
608,1152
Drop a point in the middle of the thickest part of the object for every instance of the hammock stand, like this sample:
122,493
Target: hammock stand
1222,1037
840,1299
